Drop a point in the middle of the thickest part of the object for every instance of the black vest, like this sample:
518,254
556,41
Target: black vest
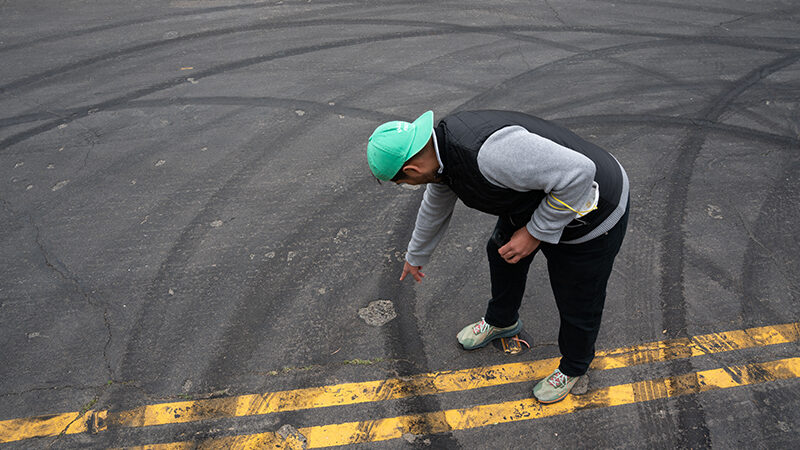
460,137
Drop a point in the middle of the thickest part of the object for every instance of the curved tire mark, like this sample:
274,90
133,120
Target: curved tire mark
691,417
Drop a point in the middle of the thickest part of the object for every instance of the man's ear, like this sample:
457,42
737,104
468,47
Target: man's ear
411,170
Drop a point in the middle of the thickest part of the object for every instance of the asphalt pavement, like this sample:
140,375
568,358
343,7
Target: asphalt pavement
194,253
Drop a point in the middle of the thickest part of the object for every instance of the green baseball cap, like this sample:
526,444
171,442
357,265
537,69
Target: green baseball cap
394,143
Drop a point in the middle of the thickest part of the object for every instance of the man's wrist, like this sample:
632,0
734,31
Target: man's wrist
415,260
552,238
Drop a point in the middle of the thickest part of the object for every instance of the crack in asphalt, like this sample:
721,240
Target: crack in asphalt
86,409
76,284
558,17
64,273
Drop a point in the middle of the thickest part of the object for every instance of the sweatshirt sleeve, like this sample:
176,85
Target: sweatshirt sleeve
517,159
433,218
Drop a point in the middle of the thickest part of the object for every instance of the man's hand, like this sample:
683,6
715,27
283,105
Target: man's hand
521,245
414,271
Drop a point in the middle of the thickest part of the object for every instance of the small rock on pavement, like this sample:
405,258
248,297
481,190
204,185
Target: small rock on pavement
378,312
581,386
414,439
292,437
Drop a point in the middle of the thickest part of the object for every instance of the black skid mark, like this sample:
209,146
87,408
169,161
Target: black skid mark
404,336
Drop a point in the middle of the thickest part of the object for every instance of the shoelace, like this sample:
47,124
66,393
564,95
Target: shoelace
558,379
480,327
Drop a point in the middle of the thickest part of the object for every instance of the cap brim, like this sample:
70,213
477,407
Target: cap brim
423,128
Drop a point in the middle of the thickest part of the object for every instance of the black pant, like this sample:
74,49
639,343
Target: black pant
578,276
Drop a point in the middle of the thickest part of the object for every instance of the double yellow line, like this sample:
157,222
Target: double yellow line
436,383
512,411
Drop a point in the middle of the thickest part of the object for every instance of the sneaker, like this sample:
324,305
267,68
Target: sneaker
479,334
554,388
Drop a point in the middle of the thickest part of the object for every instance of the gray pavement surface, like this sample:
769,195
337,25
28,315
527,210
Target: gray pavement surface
186,208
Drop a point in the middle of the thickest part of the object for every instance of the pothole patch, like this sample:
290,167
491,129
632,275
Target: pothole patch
378,313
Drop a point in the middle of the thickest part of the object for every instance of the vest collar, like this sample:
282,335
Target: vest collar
438,156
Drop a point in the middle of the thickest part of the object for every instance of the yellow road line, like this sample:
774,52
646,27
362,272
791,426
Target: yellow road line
394,388
697,346
52,425
512,411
